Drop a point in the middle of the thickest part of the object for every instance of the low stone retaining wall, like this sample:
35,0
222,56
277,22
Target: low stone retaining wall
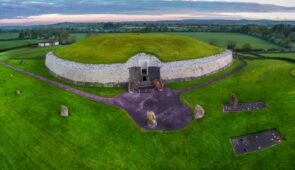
118,74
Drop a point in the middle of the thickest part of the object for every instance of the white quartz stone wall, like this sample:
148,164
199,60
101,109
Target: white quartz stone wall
188,69
110,74
87,73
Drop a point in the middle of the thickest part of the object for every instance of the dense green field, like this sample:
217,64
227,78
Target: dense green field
27,53
223,38
5,36
79,36
16,43
280,55
118,48
98,136
36,64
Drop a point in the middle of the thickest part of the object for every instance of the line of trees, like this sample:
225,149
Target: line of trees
281,34
47,34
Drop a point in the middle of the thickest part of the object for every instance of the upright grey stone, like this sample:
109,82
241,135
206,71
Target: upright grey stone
199,112
17,92
64,111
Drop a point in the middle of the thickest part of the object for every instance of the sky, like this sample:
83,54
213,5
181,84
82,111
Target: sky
32,12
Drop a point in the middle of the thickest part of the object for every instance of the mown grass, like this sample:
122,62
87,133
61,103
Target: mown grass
279,55
79,36
223,38
9,35
16,43
98,136
27,53
37,66
118,48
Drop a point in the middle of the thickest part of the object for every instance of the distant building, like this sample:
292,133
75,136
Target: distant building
48,43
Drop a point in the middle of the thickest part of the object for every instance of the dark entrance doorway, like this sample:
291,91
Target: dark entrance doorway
142,79
144,74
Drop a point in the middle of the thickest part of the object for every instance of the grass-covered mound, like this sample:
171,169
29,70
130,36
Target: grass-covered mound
118,48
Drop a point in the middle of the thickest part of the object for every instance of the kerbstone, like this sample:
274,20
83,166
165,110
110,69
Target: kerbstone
118,73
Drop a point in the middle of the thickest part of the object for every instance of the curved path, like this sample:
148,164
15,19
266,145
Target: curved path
170,112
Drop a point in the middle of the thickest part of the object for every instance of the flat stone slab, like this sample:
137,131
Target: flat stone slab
244,107
254,142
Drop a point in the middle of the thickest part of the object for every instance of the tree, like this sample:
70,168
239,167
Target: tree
108,25
292,36
247,46
231,44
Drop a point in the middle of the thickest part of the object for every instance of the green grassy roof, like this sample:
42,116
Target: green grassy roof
118,48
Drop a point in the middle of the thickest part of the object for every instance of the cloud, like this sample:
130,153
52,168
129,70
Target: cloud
287,3
14,10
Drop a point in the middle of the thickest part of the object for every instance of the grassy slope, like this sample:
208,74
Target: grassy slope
223,38
38,67
284,55
27,53
98,136
16,43
4,36
116,48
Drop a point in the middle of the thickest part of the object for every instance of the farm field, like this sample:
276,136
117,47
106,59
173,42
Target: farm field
98,136
280,55
223,38
16,43
5,36
79,36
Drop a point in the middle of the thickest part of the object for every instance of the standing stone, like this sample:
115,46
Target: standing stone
17,92
199,112
151,119
233,101
64,111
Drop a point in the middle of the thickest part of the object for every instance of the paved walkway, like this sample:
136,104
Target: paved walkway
170,112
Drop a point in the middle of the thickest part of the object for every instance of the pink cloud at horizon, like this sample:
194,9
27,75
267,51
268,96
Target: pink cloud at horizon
58,18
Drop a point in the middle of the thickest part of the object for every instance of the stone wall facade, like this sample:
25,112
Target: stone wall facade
118,74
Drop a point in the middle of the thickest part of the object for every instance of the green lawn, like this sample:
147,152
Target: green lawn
118,48
16,43
98,136
79,36
4,36
280,55
27,53
223,38
38,66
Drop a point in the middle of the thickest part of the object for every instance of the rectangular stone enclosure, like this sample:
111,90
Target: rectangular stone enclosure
244,107
254,142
